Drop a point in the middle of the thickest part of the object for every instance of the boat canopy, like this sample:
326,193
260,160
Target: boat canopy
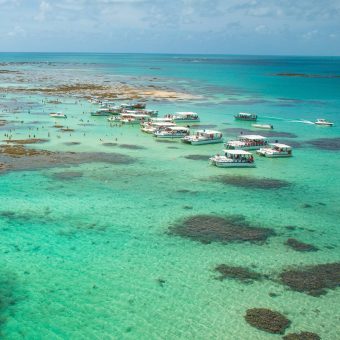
252,137
208,132
178,128
237,152
280,146
186,114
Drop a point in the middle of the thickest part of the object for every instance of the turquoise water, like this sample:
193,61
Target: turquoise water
91,256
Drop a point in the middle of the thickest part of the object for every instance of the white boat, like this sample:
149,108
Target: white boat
184,117
247,142
233,159
172,132
263,126
133,118
323,122
204,137
276,150
58,115
246,116
152,127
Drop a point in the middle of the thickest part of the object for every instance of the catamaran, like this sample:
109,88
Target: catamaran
184,117
172,132
204,137
152,127
233,159
247,142
275,150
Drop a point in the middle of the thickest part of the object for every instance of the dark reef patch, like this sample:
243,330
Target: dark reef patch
300,246
251,182
312,280
207,229
302,336
67,175
26,141
172,147
240,131
18,157
132,147
306,75
202,126
267,320
169,141
72,143
7,299
109,144
238,273
331,144
197,157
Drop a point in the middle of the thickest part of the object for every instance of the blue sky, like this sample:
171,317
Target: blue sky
303,27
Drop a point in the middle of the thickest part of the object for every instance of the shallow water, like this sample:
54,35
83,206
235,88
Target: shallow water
90,255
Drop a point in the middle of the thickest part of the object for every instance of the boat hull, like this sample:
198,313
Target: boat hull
202,142
233,164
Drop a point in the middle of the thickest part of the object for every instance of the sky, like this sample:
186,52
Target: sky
274,27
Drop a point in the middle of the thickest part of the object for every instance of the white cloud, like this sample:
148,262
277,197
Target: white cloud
44,8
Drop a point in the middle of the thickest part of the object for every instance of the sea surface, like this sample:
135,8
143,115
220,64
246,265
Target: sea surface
88,251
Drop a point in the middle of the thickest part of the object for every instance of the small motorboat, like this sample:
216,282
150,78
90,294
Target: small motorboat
275,150
58,115
263,126
323,122
233,159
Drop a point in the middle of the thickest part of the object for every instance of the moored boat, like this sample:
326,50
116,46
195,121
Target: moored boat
246,116
247,142
101,113
152,127
172,132
133,118
233,159
323,122
204,137
184,117
275,150
58,115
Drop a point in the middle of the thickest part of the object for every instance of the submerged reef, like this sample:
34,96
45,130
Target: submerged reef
306,75
18,157
207,229
132,147
312,280
300,246
238,273
240,131
267,320
67,175
251,182
331,144
302,336
26,141
197,157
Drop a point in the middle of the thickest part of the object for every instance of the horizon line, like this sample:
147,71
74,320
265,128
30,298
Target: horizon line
174,53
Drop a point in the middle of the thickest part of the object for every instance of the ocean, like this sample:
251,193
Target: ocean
111,234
